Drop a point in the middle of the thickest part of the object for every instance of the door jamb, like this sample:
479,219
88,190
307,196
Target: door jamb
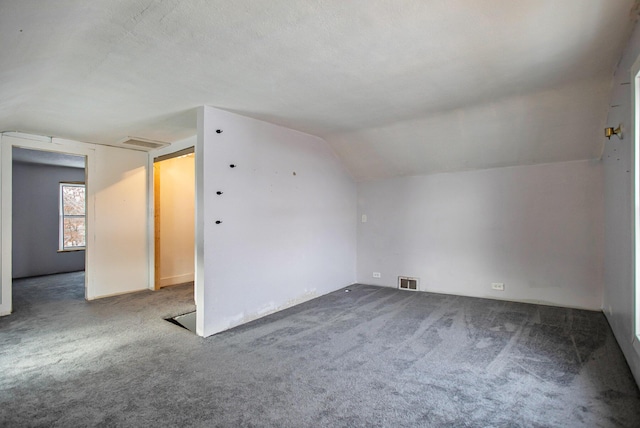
8,141
164,153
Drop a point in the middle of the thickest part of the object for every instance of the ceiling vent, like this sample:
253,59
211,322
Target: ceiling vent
142,144
407,283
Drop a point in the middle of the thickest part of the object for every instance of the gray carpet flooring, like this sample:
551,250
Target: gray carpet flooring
370,357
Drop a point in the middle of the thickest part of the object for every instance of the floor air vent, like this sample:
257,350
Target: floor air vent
406,283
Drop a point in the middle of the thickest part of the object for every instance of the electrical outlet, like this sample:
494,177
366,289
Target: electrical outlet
497,286
376,274
364,218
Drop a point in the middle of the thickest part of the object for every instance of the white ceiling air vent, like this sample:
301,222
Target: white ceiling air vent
142,144
407,283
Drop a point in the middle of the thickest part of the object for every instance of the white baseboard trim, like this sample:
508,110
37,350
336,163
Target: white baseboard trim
119,293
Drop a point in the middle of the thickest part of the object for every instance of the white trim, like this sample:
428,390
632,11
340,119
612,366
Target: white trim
62,216
199,284
635,136
5,227
151,222
7,142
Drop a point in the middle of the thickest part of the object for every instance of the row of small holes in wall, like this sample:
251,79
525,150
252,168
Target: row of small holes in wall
219,192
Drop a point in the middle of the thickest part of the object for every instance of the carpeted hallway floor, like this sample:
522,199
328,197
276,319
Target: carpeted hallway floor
370,357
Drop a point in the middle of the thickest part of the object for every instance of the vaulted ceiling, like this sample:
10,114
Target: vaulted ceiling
397,87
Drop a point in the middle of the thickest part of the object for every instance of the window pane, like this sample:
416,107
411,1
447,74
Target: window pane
73,232
73,200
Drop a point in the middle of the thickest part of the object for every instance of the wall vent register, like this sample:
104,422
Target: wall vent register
407,283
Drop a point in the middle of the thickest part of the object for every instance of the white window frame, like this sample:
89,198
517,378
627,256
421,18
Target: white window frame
62,216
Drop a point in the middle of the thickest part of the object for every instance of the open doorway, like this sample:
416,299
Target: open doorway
48,226
174,218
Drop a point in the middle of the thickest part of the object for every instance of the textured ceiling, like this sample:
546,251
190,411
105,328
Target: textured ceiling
396,87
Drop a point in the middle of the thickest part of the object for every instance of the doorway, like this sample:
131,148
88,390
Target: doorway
50,146
174,218
48,222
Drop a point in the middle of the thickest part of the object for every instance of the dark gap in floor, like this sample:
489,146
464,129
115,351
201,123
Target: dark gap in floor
186,321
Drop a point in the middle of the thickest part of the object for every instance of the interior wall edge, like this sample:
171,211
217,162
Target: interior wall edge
281,231
620,285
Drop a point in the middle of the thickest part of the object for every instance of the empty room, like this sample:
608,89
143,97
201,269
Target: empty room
415,213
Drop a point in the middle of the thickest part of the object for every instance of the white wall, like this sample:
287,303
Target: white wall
35,227
618,192
288,213
176,220
119,258
537,229
117,252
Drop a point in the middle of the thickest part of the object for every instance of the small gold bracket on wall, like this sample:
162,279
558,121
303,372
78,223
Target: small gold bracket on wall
609,132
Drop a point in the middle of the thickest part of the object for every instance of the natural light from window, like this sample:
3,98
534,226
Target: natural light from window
72,216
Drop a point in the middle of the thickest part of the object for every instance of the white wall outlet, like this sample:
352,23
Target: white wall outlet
497,286
376,274
364,218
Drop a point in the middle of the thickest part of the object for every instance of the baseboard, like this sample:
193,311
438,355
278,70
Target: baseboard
514,300
175,280
119,293
227,324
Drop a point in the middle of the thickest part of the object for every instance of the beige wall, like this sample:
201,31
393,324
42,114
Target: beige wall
175,201
118,184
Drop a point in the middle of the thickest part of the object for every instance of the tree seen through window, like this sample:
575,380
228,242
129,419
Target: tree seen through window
72,216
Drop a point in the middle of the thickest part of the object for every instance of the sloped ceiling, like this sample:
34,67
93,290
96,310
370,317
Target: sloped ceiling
395,87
